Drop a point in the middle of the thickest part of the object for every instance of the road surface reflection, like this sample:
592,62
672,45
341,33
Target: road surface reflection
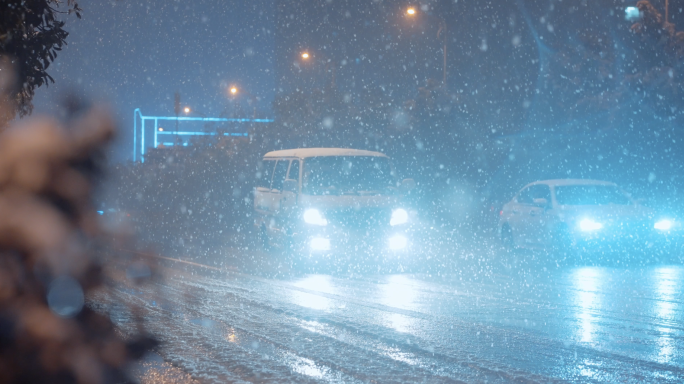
400,292
587,283
308,295
668,290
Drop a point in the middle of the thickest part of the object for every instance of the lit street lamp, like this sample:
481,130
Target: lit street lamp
252,99
305,55
411,12
188,110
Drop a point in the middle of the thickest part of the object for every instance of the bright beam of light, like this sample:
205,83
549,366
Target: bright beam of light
587,225
397,242
399,216
663,225
320,244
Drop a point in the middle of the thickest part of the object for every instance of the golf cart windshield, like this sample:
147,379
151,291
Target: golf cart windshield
340,175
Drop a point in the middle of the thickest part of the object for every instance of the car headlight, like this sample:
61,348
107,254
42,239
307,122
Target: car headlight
587,225
663,225
399,216
314,216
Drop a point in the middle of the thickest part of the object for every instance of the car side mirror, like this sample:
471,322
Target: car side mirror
290,185
408,185
541,202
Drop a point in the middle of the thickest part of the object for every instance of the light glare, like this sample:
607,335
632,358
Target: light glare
587,225
663,225
397,242
314,216
411,11
320,244
632,14
399,216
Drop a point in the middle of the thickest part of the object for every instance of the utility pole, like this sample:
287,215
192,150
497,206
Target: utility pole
667,8
176,107
443,29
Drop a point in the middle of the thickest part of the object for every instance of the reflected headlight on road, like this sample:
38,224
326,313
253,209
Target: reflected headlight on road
588,225
663,225
314,216
397,242
399,216
320,244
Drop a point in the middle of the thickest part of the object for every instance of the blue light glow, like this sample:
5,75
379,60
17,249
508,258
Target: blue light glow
632,14
588,225
314,216
320,244
156,119
397,242
399,216
663,225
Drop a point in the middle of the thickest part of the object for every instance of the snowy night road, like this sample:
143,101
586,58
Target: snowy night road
582,324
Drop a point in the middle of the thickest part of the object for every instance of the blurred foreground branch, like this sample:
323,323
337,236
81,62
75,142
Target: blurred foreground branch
51,256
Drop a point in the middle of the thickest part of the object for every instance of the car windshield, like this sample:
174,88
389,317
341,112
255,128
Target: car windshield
590,195
335,175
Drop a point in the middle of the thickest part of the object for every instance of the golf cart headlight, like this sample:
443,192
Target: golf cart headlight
587,225
313,216
399,216
663,225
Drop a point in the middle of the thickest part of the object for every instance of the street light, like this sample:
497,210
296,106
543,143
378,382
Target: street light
305,55
251,98
188,110
411,12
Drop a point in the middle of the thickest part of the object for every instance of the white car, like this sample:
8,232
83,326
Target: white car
581,214
330,200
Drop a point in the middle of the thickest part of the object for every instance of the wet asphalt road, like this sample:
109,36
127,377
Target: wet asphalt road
478,318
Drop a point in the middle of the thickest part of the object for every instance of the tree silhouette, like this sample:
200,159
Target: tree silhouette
30,37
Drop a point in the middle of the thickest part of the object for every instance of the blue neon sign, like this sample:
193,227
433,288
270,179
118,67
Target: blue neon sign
156,120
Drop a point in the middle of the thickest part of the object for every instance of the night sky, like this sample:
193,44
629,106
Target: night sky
137,54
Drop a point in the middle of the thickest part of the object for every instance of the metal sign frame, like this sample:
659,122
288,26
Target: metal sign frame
156,120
